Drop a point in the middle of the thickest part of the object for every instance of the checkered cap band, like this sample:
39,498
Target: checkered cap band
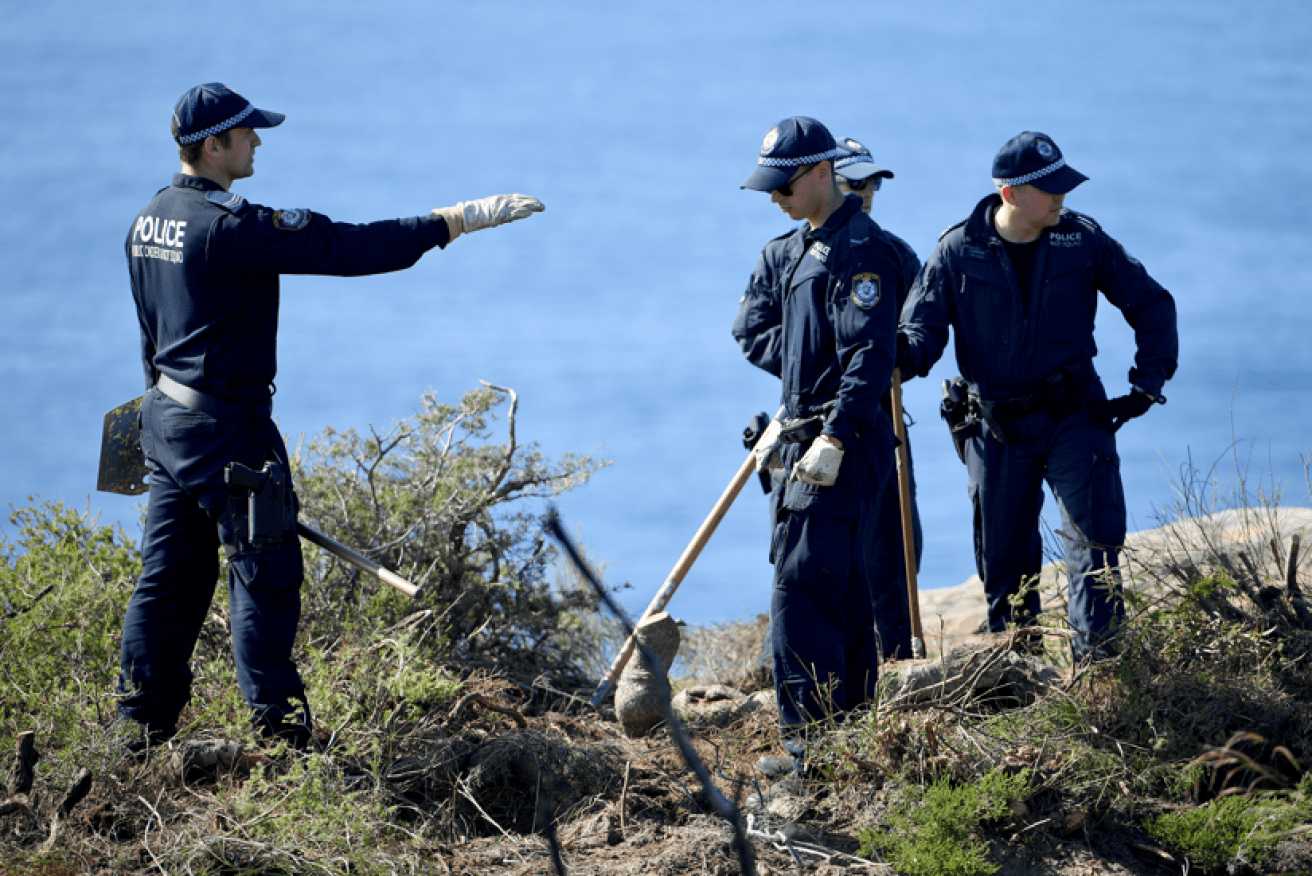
852,159
797,162
1031,177
219,128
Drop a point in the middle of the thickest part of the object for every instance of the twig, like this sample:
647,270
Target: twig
624,794
145,838
483,701
12,613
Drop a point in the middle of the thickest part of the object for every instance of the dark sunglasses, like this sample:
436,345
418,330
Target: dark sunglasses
859,185
787,188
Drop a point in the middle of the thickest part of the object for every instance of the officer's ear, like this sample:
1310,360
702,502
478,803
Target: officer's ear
1008,193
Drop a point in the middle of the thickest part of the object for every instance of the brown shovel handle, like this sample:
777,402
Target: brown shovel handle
681,568
904,500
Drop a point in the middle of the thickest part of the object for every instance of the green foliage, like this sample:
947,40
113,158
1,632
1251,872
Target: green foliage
1215,833
313,805
932,829
64,585
436,500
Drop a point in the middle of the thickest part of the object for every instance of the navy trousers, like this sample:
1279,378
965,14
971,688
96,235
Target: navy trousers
887,566
187,451
823,638
1078,461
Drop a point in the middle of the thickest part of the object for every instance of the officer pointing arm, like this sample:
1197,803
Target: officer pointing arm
204,264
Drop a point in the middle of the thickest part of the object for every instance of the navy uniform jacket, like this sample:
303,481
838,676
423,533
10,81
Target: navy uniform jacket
838,289
758,325
1008,344
205,263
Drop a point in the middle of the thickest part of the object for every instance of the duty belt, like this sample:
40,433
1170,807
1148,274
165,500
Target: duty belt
218,408
1055,397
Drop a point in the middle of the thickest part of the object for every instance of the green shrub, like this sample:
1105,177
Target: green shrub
437,501
1215,833
64,585
930,829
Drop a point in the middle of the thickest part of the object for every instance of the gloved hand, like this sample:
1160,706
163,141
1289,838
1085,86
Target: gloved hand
819,465
1115,413
769,451
471,216
903,356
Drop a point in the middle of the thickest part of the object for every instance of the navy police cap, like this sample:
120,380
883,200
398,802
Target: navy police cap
1031,157
211,109
795,141
854,162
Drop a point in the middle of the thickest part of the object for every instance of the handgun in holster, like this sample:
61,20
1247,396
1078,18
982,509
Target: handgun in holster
266,501
955,409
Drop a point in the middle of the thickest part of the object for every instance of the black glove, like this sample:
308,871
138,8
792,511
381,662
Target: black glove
903,357
1115,413
755,429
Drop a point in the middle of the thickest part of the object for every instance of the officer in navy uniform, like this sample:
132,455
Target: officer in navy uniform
757,328
839,278
1018,283
204,266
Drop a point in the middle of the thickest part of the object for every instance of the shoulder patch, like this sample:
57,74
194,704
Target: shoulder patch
1087,221
230,201
865,290
291,220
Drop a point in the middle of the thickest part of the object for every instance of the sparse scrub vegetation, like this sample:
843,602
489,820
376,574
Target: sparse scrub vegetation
452,733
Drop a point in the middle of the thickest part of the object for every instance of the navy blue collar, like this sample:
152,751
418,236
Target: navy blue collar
187,181
851,204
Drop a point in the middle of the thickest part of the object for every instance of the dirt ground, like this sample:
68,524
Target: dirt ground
651,817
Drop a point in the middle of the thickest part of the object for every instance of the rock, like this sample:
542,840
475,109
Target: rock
639,696
204,760
600,830
979,668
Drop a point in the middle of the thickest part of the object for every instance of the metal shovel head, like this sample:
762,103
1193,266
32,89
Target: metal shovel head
122,464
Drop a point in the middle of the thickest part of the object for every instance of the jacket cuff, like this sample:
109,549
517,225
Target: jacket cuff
841,427
1148,383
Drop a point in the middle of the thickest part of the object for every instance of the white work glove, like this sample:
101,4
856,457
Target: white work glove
769,452
819,465
471,216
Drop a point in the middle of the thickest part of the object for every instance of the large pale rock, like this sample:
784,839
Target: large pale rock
640,702
974,668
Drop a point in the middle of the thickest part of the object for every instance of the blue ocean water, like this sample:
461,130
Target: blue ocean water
609,314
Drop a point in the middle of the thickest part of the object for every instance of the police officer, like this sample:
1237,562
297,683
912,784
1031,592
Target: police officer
757,328
204,266
838,277
1018,283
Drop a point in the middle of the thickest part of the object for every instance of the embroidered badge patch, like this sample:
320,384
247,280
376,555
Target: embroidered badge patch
230,201
1045,149
865,290
291,220
771,137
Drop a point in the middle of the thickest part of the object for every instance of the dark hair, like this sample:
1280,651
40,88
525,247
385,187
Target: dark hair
190,153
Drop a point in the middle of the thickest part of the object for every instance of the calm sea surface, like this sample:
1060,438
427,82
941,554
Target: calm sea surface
609,314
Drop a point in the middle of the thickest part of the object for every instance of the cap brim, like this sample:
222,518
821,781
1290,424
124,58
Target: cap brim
262,119
1059,182
767,179
863,170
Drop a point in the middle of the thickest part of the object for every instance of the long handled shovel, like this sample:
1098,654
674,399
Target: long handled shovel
904,500
681,568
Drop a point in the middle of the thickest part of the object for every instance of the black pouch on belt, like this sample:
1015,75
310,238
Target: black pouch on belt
955,411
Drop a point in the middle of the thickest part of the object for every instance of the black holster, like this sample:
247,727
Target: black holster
955,409
270,507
